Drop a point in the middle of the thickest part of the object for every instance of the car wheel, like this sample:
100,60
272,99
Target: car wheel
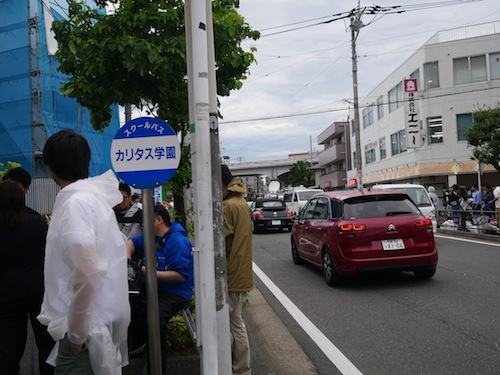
425,273
295,253
329,272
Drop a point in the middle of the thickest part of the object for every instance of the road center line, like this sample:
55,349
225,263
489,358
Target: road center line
331,351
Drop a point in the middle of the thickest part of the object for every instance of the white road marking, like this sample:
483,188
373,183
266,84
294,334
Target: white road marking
466,240
331,351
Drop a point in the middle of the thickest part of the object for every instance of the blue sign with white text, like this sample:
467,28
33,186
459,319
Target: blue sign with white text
145,152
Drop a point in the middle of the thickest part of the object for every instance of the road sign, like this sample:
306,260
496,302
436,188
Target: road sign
145,152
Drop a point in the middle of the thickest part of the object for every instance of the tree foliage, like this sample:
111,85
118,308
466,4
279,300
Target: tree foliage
484,136
301,174
137,56
10,165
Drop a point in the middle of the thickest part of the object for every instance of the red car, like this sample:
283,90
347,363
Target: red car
348,232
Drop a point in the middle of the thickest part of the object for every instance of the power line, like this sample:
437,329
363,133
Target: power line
268,118
370,10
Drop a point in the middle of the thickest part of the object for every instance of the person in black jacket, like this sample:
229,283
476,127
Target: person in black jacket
128,215
22,235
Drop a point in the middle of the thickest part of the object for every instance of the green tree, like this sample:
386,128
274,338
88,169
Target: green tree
301,174
137,55
10,165
484,136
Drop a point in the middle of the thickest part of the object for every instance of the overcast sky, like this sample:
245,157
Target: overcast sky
309,71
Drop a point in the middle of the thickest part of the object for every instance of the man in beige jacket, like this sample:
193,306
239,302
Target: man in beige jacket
238,234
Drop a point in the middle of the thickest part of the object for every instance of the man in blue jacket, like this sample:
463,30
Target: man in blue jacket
174,271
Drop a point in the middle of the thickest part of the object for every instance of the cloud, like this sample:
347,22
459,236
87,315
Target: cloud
310,70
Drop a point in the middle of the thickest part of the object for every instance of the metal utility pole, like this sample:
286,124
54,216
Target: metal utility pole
199,116
355,26
221,292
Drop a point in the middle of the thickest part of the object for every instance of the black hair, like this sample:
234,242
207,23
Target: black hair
159,210
19,175
124,187
226,174
13,212
135,196
67,154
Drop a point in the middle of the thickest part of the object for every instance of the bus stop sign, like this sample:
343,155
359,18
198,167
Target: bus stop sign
145,152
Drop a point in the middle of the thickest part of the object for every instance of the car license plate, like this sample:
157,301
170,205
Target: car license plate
275,222
397,244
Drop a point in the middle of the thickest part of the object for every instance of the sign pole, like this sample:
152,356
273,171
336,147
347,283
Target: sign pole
196,40
151,284
145,153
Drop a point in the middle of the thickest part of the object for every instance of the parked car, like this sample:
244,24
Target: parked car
270,213
419,195
345,233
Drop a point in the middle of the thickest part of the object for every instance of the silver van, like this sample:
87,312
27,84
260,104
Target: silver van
418,195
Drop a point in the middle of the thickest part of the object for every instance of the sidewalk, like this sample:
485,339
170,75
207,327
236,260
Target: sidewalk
274,350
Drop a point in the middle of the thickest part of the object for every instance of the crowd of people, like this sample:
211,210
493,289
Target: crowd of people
70,275
461,203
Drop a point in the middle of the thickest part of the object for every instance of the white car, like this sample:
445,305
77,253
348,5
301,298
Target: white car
297,197
418,195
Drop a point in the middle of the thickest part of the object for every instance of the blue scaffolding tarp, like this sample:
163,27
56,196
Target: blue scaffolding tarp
18,138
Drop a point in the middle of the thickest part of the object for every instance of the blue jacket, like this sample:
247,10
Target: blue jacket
173,252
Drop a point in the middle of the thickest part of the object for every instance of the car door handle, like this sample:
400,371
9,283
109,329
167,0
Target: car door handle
319,229
306,228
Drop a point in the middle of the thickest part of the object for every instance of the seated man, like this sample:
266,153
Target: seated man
128,215
174,272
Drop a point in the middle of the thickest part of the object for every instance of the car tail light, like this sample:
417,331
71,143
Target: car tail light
346,227
258,215
424,223
290,213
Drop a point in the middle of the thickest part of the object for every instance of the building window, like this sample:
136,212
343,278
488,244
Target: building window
469,70
382,148
416,75
367,116
380,107
464,122
495,65
398,142
395,97
431,75
370,152
435,129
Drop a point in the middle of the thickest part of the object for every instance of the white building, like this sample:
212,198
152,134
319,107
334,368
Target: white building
457,72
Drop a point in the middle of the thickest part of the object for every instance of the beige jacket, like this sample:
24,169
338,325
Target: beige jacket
238,234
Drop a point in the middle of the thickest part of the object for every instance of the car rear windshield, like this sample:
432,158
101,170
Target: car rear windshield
272,204
378,206
305,195
417,195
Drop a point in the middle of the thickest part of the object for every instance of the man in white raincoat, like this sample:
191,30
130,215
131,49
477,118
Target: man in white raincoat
85,304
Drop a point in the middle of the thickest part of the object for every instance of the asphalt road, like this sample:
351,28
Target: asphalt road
394,323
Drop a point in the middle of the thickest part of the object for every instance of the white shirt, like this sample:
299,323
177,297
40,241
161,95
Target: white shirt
496,194
86,282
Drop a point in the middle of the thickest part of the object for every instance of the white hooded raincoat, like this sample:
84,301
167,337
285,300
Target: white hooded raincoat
86,285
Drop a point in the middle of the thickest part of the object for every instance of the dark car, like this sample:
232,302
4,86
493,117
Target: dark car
270,213
348,232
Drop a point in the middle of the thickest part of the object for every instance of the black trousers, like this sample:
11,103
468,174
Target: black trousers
14,331
169,304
